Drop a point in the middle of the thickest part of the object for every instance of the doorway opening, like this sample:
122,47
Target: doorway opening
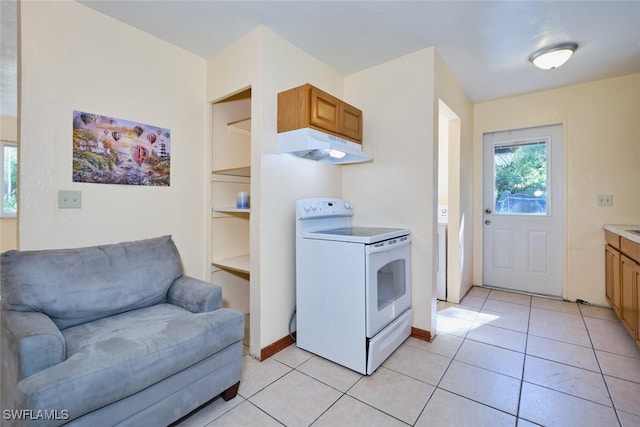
450,229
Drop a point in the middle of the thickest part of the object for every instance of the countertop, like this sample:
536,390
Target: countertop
622,230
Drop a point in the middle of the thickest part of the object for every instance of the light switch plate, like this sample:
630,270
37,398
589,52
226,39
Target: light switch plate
69,199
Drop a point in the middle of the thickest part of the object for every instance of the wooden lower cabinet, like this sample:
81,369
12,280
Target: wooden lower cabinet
622,281
628,286
612,278
638,305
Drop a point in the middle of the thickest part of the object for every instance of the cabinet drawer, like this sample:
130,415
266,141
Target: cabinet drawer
630,248
612,239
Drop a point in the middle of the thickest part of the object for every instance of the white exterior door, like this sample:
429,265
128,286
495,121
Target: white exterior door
523,202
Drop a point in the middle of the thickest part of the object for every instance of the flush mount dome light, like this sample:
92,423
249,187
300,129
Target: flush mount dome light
553,56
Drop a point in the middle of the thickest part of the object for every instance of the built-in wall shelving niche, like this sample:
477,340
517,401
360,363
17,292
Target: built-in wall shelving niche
240,264
242,127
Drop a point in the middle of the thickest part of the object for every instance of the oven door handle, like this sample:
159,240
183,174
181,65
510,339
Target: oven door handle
372,249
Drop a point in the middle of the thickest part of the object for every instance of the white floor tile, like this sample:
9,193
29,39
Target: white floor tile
450,410
512,297
293,356
245,414
329,373
443,344
552,408
419,364
558,351
349,412
625,395
559,326
496,359
604,313
296,399
493,389
555,304
626,368
257,375
500,337
393,393
479,291
567,379
612,337
628,420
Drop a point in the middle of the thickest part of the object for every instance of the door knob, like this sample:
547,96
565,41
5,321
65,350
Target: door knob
487,211
487,222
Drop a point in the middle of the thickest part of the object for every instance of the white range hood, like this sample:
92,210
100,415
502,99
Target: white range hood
315,145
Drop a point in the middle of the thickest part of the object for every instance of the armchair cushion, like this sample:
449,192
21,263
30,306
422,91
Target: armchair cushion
115,357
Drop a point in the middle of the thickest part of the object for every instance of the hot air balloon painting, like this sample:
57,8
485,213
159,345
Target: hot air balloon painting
109,150
87,118
140,154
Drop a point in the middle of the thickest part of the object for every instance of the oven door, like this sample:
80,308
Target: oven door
388,284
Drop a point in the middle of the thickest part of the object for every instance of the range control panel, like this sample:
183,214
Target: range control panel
323,208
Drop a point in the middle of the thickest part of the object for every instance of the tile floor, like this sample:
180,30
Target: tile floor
499,359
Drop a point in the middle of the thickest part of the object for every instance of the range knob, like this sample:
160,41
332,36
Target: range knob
314,205
306,206
347,205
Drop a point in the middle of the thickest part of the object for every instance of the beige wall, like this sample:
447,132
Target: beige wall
8,226
602,154
399,188
269,64
77,59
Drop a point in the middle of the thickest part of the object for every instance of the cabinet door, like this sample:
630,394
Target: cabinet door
608,273
638,305
613,277
325,110
351,122
628,303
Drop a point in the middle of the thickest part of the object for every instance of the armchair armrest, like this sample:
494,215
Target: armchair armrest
195,295
31,342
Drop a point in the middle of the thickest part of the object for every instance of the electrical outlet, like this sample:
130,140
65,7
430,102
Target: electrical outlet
69,199
605,199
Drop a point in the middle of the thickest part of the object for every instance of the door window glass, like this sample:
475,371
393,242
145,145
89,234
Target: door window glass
9,178
520,178
391,282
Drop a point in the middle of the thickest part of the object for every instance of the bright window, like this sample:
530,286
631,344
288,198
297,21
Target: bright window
9,179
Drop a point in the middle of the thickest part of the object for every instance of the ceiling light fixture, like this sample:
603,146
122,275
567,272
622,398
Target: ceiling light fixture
553,56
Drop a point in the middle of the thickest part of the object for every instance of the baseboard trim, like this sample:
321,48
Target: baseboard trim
287,340
421,334
275,347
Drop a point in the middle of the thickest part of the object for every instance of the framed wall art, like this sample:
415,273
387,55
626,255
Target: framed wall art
107,150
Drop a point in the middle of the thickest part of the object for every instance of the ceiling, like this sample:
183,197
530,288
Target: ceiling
485,43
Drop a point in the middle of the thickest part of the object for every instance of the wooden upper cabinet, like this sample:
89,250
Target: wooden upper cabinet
308,106
325,110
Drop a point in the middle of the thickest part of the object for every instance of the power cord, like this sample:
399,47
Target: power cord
293,315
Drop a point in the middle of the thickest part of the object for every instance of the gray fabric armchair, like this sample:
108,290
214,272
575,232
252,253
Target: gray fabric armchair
112,335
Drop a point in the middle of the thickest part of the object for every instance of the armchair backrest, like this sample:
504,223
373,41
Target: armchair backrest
74,286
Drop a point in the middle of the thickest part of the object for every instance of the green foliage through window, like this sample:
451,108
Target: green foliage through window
521,178
9,179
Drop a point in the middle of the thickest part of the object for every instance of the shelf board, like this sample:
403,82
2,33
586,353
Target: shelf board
231,209
244,171
243,126
238,263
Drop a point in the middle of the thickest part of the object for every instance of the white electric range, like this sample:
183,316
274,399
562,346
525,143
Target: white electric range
353,287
